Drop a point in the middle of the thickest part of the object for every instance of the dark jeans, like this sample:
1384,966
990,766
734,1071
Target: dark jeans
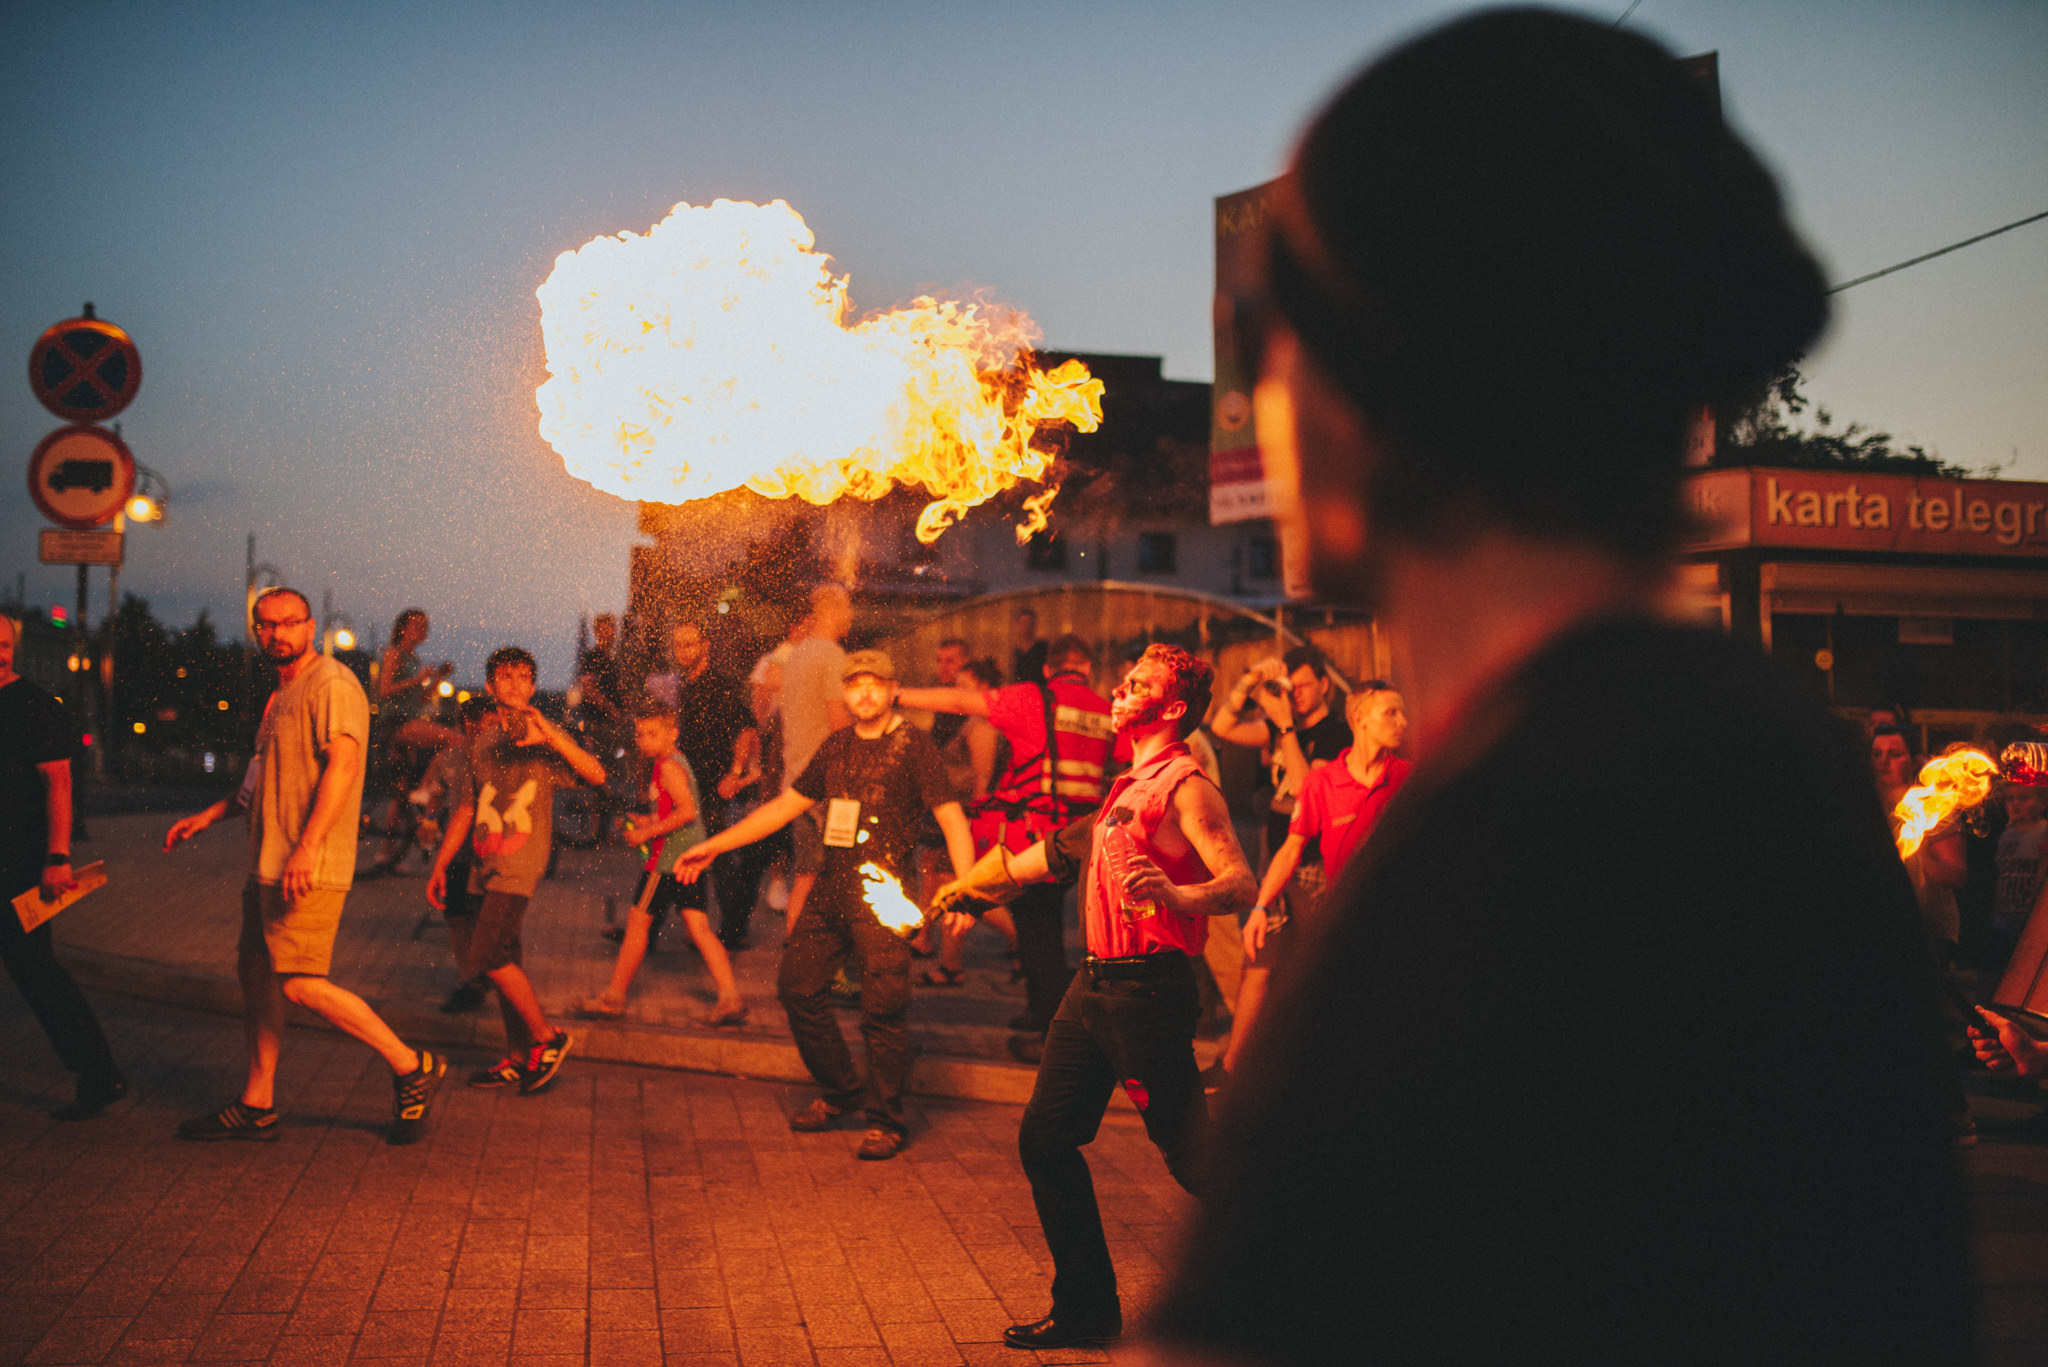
1139,1033
825,937
736,875
1041,948
31,960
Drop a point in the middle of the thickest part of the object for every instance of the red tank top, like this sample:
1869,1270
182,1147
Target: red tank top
1145,792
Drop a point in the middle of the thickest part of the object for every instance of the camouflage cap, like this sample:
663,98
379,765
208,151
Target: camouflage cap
875,662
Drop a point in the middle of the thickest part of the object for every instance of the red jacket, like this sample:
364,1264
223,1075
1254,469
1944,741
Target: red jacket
1044,787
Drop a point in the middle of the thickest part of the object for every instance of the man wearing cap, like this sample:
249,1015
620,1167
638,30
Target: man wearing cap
870,784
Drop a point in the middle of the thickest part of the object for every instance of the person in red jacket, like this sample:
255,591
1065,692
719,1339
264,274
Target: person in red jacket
1060,739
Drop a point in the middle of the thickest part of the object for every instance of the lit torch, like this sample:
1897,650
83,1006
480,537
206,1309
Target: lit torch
1948,783
715,352
886,899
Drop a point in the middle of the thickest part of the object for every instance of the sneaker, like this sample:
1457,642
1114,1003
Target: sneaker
880,1142
506,1072
412,1096
93,1095
543,1061
1963,1130
234,1121
819,1115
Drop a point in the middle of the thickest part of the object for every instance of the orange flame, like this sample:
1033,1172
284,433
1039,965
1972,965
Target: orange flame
714,352
1949,782
885,898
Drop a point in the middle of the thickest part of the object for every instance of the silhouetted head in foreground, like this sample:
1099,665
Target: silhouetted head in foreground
1524,252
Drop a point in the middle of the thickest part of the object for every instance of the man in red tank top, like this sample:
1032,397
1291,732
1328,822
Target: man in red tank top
1154,863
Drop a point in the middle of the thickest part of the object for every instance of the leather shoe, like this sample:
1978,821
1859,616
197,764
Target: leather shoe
816,1118
1052,1332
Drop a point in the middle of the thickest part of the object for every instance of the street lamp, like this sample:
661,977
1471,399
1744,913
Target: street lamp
151,501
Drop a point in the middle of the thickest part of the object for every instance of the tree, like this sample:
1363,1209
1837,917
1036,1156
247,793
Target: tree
1761,433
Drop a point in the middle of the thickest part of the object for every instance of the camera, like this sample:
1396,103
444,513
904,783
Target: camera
1274,686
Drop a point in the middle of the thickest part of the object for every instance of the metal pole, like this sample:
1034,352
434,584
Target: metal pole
79,652
99,759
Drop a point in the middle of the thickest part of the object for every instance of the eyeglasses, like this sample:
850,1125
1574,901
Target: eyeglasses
263,626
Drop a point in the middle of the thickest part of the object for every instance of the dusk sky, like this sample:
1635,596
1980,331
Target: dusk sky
324,226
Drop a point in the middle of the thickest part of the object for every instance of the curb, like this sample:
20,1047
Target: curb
652,1046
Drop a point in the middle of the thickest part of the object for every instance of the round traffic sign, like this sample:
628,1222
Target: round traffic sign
80,476
84,369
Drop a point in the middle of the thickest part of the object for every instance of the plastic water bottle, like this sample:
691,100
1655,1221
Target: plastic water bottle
1121,848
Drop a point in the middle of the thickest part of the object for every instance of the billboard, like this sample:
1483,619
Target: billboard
1237,476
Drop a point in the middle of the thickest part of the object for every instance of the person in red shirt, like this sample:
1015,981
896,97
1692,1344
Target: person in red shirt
1045,787
1154,863
1339,806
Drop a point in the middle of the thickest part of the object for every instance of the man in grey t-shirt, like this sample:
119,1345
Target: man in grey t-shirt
302,792
813,707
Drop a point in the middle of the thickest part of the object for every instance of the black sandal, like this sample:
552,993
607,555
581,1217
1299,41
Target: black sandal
938,975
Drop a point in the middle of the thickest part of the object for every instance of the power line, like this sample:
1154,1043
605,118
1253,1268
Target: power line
1627,12
1944,251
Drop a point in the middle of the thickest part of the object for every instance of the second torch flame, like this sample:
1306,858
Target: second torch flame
886,899
1948,783
714,352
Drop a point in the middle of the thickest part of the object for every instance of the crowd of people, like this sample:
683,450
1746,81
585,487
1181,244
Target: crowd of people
1609,1032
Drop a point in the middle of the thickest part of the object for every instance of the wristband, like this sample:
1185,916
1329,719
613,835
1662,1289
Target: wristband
51,861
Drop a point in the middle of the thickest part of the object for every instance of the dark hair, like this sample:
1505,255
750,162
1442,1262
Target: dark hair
954,642
1528,250
509,655
1028,611
1192,683
1310,655
404,620
1877,731
276,589
649,709
1067,645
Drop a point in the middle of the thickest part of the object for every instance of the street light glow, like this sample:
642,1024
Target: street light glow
344,639
447,690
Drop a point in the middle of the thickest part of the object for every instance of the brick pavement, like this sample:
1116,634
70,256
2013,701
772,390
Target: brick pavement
630,1214
627,1216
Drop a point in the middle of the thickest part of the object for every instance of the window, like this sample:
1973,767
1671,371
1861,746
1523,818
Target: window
1045,551
1262,557
1156,552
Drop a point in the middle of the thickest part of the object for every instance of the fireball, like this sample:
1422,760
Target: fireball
886,899
1948,783
716,352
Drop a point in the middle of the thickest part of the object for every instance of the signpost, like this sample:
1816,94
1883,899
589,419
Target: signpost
80,476
61,547
85,370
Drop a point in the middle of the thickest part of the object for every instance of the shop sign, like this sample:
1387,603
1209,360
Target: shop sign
1845,510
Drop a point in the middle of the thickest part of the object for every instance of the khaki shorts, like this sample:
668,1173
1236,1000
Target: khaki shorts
298,936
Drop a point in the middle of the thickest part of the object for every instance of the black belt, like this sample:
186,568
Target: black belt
1132,967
